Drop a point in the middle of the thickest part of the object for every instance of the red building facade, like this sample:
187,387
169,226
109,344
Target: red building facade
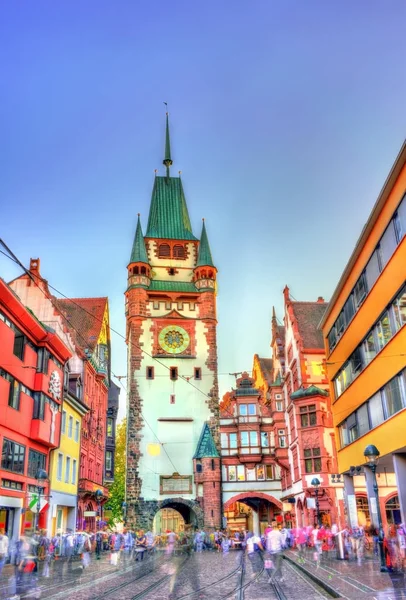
250,452
88,318
32,359
308,417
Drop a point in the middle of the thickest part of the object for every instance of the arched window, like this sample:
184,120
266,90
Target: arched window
178,251
143,270
164,251
135,271
204,274
392,508
210,274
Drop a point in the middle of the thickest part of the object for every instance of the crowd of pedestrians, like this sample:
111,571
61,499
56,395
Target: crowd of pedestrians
33,554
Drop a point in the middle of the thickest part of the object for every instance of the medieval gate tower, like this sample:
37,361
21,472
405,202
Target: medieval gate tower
172,405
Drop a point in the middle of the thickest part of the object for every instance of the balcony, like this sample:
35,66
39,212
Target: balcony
41,432
244,419
86,485
250,454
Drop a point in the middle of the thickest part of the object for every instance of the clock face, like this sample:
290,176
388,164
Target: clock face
173,339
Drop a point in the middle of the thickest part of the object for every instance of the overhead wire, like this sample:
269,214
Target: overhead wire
86,342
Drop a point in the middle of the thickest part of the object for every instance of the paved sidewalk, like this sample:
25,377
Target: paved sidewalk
352,580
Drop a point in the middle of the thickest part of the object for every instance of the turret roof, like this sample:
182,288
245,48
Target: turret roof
312,390
139,253
206,448
204,259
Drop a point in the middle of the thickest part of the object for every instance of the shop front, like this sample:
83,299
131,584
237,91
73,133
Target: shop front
10,516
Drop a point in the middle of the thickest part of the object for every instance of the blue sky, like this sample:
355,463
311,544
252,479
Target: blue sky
286,118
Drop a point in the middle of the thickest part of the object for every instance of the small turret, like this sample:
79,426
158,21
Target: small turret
139,270
205,272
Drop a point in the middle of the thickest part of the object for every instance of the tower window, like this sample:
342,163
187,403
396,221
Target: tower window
150,373
212,464
143,271
171,271
198,373
168,305
172,399
212,513
178,251
174,373
214,484
164,251
136,271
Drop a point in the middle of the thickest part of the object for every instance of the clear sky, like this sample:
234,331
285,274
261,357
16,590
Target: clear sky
286,118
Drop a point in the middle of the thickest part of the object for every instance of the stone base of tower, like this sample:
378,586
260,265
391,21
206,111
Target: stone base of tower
141,514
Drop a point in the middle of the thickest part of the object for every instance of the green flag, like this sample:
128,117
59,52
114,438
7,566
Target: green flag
33,501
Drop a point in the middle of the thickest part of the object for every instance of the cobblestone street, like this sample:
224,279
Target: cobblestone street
211,575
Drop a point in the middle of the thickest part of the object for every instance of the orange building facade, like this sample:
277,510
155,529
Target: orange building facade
365,340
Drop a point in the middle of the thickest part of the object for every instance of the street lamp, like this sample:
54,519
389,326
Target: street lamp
371,453
124,507
316,483
41,476
99,496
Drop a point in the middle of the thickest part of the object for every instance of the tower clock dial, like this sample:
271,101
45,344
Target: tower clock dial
173,339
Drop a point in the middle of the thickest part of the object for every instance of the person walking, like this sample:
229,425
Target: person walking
254,548
4,545
274,548
140,545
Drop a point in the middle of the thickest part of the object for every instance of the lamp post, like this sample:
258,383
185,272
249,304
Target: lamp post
99,495
316,484
41,476
371,453
124,507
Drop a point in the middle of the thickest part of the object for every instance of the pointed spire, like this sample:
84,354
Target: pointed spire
167,160
273,313
139,253
204,259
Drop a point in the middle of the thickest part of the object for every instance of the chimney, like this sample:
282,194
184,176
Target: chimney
320,299
34,266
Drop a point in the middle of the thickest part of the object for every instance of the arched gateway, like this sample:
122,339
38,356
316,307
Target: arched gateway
190,510
252,511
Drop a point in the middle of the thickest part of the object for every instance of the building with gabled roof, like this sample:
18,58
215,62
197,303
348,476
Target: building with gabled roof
77,467
308,419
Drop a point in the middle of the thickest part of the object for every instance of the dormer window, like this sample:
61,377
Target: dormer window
164,251
178,251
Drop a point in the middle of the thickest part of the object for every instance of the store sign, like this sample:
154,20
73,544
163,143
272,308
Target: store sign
176,484
89,513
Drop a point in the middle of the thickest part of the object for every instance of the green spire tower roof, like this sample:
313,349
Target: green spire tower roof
139,253
168,213
204,259
206,448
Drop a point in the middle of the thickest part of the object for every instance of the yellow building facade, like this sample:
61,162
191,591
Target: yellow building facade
365,337
65,468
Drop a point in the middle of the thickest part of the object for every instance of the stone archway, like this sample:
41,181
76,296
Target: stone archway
190,510
254,495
